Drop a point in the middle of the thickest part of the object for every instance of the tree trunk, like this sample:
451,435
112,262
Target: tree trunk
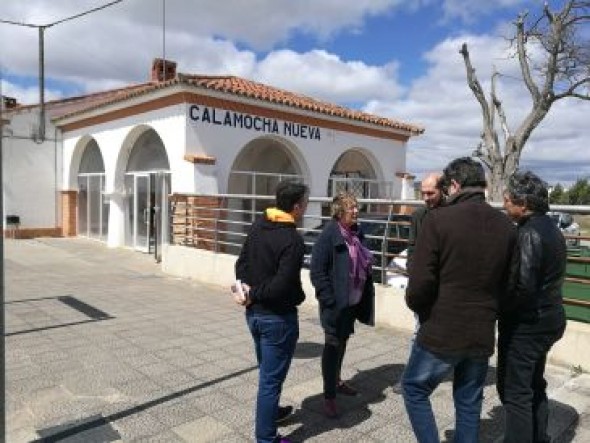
502,170
496,181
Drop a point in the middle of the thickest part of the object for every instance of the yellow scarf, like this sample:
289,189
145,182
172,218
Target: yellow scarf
276,215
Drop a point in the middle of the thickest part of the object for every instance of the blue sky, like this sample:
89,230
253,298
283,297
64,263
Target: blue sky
381,56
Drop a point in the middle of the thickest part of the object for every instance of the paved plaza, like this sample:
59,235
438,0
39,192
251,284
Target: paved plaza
101,346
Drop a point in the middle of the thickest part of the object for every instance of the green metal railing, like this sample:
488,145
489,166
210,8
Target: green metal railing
576,289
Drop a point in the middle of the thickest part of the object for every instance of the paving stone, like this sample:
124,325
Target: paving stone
204,429
177,363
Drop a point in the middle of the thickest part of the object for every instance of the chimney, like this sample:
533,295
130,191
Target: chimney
163,70
9,102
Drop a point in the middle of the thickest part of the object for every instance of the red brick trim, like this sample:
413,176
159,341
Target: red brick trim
201,159
25,233
69,212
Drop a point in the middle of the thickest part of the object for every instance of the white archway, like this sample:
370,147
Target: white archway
357,170
257,169
76,159
92,210
141,184
263,162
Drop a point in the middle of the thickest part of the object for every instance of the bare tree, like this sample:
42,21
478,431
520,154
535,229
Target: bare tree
559,69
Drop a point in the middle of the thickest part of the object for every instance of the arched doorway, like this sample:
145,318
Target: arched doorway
147,184
262,164
354,172
256,171
93,209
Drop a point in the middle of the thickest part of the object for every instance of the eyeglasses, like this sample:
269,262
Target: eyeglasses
352,209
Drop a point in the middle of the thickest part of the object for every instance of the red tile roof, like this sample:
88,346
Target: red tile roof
78,104
73,106
258,91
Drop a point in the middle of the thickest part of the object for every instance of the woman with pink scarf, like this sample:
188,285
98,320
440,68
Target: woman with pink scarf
340,272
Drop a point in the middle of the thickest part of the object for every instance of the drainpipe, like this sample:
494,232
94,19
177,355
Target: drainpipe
56,178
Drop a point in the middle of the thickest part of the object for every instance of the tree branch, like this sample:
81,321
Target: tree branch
483,156
521,39
571,91
489,136
499,108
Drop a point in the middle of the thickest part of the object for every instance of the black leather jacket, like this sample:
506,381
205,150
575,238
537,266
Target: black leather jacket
537,271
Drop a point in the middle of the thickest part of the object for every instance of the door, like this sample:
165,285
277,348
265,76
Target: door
143,213
137,208
161,189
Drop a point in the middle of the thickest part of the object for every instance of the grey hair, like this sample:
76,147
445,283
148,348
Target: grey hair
526,188
341,202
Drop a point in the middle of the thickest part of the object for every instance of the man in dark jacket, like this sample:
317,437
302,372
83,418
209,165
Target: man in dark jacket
269,267
532,318
433,196
457,276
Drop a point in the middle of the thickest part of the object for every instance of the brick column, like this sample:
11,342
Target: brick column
69,213
195,221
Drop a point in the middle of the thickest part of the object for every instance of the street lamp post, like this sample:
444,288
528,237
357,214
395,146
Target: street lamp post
39,137
2,312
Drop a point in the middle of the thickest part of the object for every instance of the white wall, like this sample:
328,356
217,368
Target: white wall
112,136
31,173
317,156
34,174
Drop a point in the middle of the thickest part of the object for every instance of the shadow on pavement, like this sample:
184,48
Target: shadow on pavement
101,425
306,350
563,420
371,384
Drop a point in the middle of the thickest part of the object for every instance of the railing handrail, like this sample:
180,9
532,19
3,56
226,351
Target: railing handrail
224,228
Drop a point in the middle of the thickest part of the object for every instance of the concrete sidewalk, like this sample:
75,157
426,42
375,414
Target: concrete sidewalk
102,346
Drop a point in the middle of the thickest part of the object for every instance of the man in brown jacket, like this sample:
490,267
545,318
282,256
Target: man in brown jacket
458,274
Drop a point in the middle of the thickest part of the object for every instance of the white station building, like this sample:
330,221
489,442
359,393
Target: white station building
99,165
96,165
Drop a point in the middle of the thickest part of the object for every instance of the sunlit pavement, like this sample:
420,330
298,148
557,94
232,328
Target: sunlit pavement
102,346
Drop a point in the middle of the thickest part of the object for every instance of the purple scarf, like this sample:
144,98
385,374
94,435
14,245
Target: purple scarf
360,257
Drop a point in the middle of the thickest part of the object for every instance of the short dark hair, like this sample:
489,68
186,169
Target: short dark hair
289,193
466,172
526,188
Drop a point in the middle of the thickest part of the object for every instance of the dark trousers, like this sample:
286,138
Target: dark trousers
332,357
522,354
335,348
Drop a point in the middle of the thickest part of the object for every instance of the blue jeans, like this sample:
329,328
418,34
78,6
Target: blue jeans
423,373
275,337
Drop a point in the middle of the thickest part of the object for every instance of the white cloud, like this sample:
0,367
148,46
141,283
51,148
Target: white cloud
442,101
470,10
117,37
28,95
321,74
114,47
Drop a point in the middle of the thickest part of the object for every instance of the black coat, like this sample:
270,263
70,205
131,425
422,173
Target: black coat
458,275
329,273
415,225
537,271
270,262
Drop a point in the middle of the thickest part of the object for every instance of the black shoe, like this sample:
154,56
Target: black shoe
284,413
398,389
345,389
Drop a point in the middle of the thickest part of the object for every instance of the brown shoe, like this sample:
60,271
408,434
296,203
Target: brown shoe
330,408
345,389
